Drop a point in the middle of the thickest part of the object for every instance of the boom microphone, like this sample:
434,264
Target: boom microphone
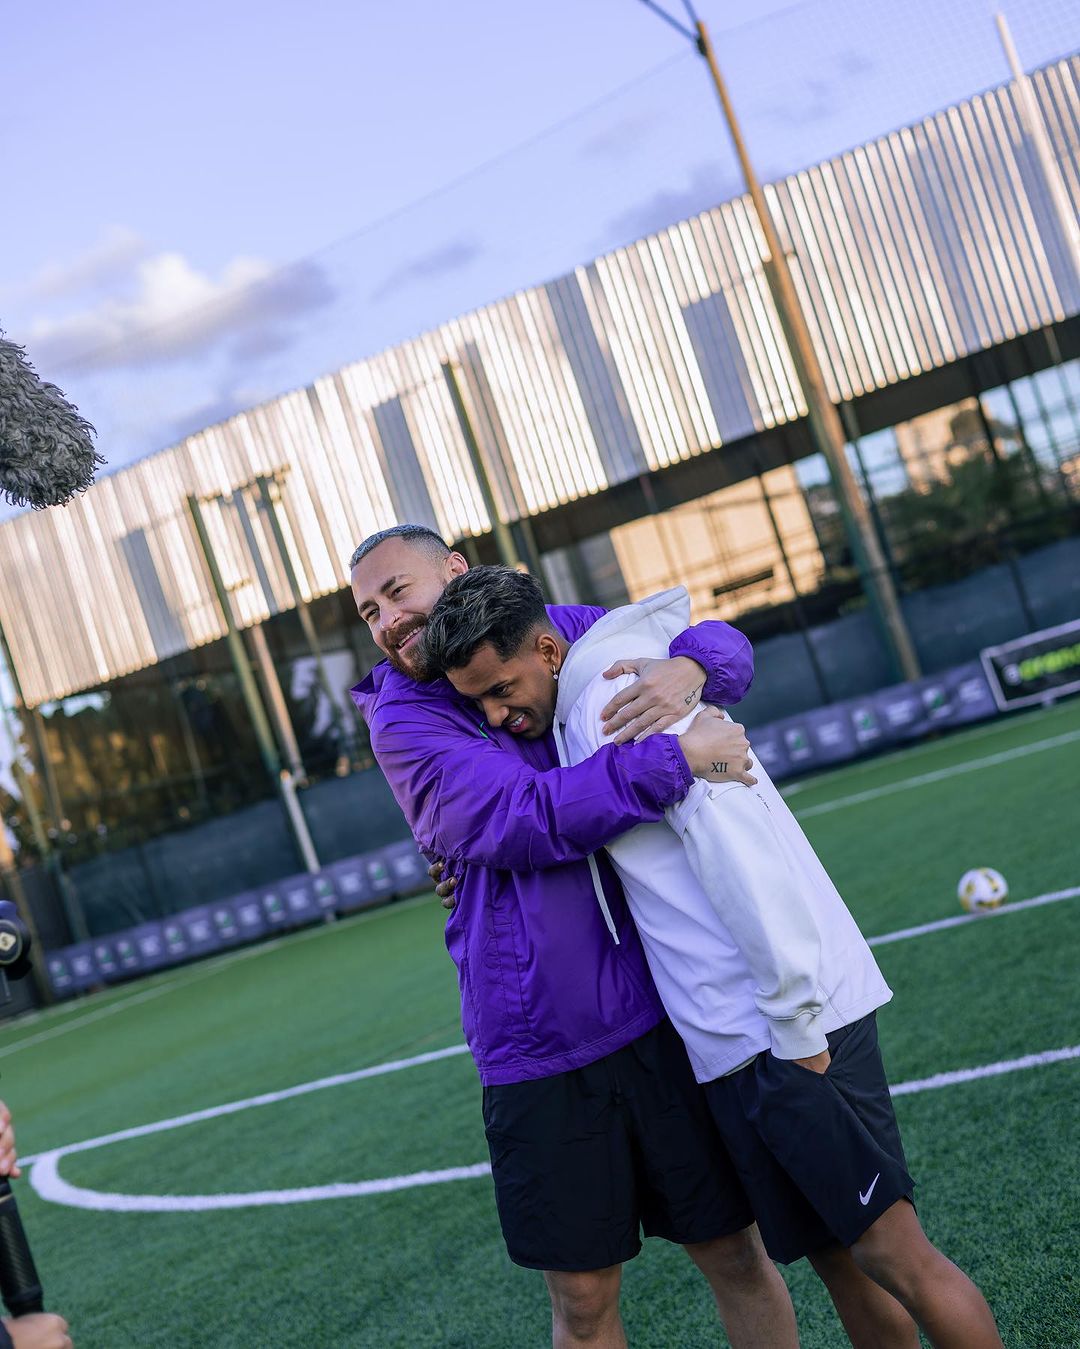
20,1286
47,453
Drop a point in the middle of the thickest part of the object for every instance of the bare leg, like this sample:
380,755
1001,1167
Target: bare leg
872,1317
585,1308
752,1298
946,1305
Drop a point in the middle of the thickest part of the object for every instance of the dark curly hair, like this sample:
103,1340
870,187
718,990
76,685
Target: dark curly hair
487,604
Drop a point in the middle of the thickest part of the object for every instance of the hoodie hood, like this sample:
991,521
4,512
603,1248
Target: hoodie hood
644,629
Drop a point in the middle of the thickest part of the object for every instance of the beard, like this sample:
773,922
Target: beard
415,664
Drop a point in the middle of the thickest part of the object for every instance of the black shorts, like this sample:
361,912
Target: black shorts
585,1159
819,1154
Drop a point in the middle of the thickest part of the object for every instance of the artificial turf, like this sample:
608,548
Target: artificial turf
996,1159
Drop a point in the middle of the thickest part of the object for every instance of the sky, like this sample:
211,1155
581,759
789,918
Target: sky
210,204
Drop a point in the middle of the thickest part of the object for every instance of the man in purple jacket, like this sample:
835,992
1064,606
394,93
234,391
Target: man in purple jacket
595,1125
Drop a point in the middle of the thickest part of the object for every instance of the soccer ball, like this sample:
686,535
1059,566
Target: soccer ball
981,889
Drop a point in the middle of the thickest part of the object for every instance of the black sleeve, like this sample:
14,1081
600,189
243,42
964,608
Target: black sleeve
6,1342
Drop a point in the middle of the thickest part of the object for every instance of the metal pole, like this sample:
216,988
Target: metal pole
1035,126
851,430
796,593
250,690
31,718
270,495
825,426
275,696
299,824
504,540
69,900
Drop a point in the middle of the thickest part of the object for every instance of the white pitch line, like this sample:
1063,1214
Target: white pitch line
885,939
960,919
184,980
985,1070
249,1102
939,775
918,749
51,1186
202,970
86,1020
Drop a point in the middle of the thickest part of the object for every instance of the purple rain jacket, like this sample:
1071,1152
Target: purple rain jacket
544,987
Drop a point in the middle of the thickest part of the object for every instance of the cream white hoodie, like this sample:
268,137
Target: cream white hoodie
750,944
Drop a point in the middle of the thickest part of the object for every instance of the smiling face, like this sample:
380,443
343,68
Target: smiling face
395,587
518,693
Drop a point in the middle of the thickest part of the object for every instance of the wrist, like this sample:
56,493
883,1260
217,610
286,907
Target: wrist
687,752
695,671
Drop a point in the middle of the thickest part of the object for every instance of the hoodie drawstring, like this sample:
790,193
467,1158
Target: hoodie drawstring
594,870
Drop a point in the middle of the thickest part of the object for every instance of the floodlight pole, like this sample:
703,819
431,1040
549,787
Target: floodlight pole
826,429
1035,125
504,540
249,690
270,497
30,719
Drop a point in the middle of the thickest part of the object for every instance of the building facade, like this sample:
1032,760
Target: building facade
640,425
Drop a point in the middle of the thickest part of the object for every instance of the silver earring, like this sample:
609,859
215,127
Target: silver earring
554,674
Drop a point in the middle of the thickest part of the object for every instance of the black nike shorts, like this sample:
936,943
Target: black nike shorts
586,1160
819,1154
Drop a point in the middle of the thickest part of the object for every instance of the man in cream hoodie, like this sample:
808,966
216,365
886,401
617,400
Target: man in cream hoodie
772,959
761,968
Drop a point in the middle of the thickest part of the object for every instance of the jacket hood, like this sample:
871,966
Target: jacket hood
651,626
383,685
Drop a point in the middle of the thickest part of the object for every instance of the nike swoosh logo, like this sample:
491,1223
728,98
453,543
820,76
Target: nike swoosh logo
864,1199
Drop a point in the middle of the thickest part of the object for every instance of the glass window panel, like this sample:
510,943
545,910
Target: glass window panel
1026,400
1070,374
1051,389
812,471
1065,432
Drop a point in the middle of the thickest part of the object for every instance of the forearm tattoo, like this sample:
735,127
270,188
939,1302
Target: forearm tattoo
692,696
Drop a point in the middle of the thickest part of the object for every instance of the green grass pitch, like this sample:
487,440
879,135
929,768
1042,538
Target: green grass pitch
996,1159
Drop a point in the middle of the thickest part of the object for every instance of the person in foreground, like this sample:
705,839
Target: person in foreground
40,1330
595,1124
771,985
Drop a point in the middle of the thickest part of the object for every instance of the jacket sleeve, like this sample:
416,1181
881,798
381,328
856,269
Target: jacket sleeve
469,799
726,657
722,651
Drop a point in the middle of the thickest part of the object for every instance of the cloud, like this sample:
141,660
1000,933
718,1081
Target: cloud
451,257
171,310
817,98
709,185
229,399
110,260
619,139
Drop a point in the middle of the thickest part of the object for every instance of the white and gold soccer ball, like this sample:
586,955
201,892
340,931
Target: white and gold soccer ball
982,888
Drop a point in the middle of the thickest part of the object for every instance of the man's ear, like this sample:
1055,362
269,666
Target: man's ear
457,565
547,648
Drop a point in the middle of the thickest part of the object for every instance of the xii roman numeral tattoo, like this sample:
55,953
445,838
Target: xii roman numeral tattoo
719,768
691,697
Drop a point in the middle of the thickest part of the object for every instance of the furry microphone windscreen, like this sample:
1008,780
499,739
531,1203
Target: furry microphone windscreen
47,451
